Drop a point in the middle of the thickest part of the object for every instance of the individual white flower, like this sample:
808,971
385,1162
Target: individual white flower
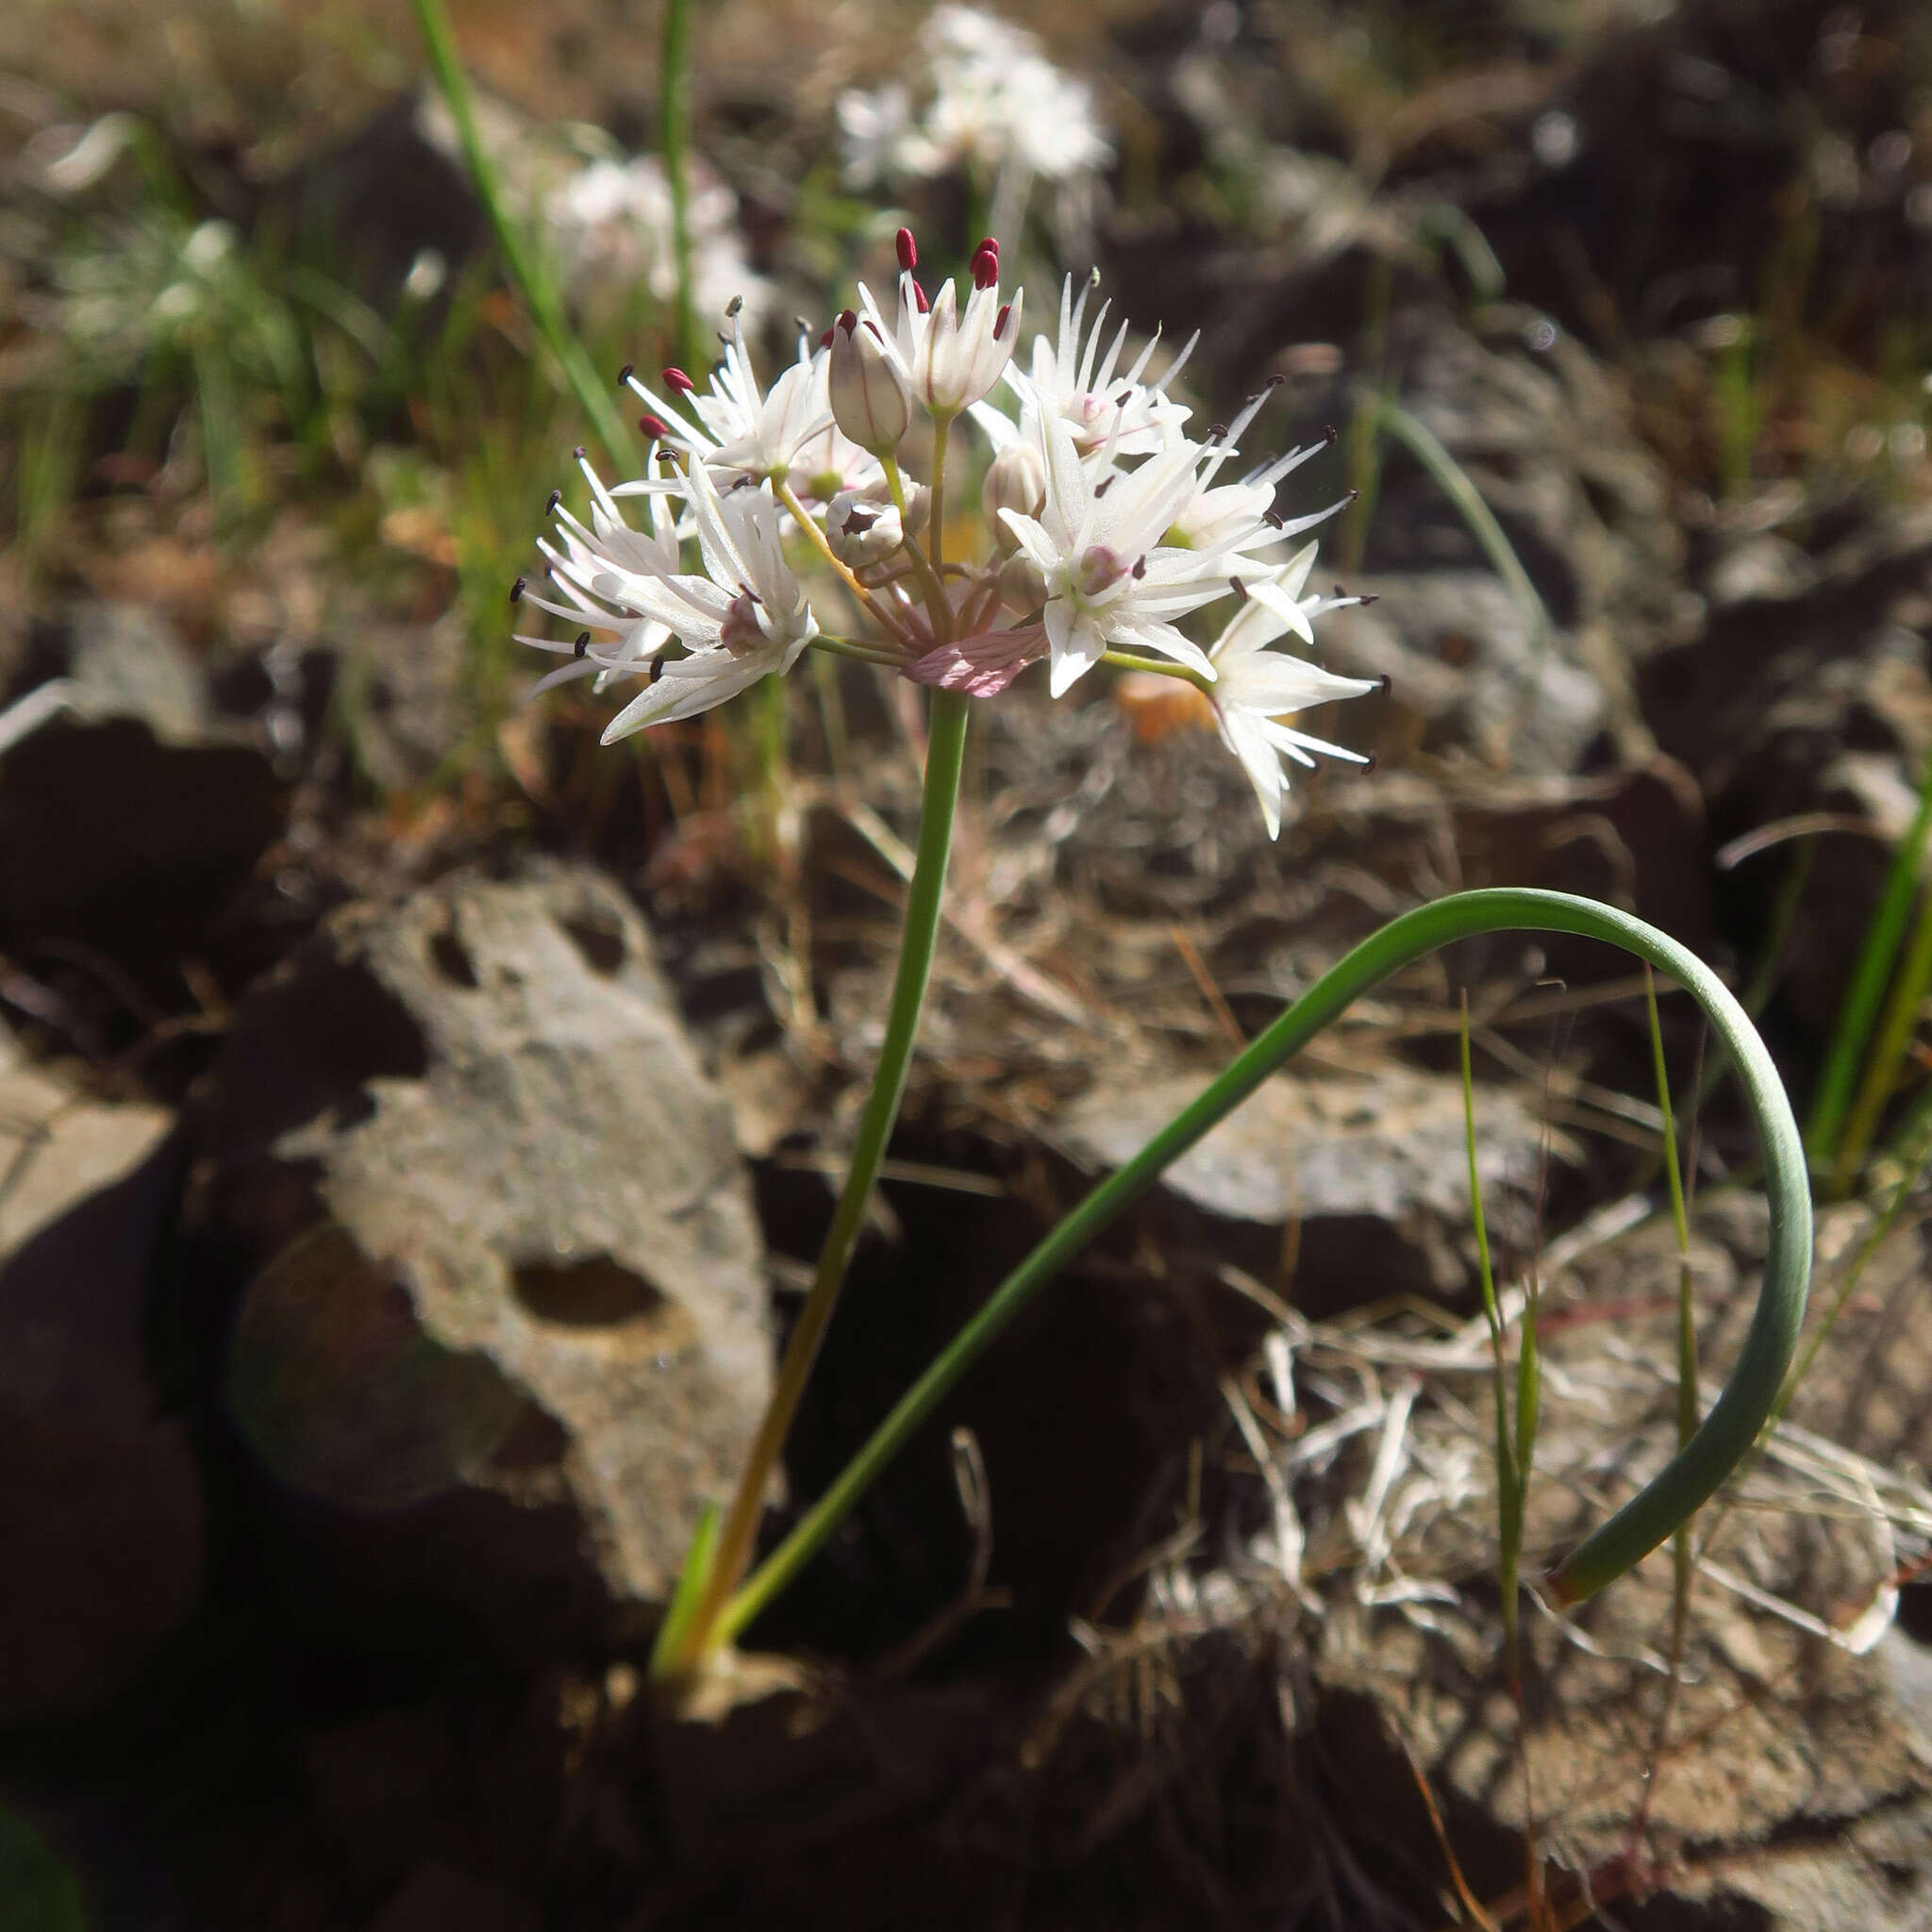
741,430
742,620
1256,689
1097,541
587,554
1073,380
950,358
869,396
1235,524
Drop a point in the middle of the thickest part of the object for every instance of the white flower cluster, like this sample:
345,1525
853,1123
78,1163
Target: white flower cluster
1111,527
611,223
992,99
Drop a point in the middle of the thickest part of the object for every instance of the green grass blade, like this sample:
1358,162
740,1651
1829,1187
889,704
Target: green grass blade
1451,478
1886,1059
1869,979
689,1593
533,282
1692,1475
674,122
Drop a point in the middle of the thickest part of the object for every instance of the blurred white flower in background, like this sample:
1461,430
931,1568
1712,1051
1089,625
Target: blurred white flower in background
995,106
604,215
611,223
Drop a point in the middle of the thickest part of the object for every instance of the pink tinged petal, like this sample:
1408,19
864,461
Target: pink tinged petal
983,665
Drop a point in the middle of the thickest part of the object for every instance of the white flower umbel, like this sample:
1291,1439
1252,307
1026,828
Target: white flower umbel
1257,687
994,101
1097,541
1073,380
741,430
746,618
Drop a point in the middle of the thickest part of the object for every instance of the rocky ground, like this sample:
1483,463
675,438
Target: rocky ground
418,1125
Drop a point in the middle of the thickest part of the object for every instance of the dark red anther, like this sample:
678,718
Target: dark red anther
919,300
1272,517
1240,589
1370,597
677,381
517,590
1388,684
583,644
578,451
1101,488
989,244
847,320
1369,762
909,250
986,266
1216,431
826,339
1329,433
654,427
1140,570
625,375
656,670
1000,322
550,507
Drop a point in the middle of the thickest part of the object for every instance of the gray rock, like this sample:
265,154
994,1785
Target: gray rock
128,818
504,1259
101,1512
1386,1148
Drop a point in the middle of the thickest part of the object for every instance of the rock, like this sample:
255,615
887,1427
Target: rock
127,818
504,1328
1464,653
101,1512
1374,1170
1545,435
1809,696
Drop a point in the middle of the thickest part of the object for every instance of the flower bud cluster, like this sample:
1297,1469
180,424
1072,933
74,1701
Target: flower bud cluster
1113,536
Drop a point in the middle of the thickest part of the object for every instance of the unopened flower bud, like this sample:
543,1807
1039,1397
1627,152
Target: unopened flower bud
1023,583
870,400
1015,481
861,532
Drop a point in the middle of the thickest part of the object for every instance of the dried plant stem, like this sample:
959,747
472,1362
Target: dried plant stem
945,749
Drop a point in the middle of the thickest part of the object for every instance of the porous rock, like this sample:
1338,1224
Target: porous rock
504,1325
1374,1170
101,1512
